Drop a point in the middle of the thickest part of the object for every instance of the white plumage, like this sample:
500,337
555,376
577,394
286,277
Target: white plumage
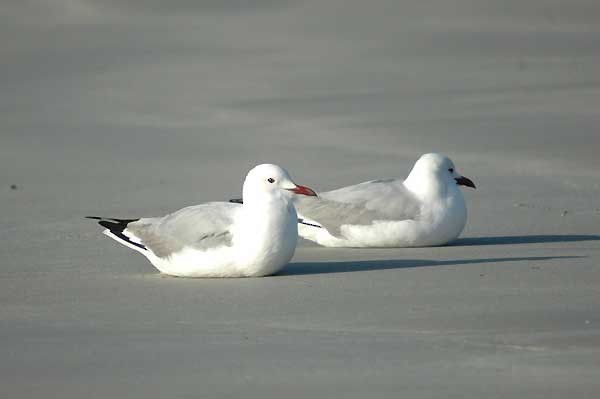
219,239
426,209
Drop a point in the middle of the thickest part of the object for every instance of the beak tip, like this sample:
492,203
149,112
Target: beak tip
465,181
303,190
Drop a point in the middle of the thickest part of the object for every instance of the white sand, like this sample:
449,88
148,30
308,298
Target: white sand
130,111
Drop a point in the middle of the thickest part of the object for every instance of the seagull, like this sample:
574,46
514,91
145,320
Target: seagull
221,239
426,209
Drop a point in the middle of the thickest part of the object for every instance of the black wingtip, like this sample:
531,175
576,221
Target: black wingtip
116,227
301,221
123,222
237,200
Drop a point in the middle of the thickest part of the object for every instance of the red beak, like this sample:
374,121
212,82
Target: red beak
304,191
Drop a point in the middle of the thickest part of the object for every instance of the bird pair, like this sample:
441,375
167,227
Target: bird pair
257,235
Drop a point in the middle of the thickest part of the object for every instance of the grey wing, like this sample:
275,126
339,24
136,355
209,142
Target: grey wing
333,215
200,227
389,197
361,204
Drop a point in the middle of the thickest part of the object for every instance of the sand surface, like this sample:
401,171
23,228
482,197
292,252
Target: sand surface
131,108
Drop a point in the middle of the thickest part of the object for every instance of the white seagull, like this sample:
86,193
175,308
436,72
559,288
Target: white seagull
426,209
220,239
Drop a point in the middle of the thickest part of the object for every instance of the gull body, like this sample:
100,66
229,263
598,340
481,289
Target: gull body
217,239
426,209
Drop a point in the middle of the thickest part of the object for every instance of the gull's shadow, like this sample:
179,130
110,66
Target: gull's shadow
302,268
530,239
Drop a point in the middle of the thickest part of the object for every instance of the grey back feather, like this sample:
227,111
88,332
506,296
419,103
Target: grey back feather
199,227
360,204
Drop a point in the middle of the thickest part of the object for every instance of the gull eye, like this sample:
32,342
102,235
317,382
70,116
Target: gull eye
271,180
451,170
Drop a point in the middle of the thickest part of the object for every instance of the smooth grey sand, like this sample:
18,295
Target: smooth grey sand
131,108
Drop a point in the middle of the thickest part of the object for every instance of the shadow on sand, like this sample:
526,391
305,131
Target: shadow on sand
531,239
295,269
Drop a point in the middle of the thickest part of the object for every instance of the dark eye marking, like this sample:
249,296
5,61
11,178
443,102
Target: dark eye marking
271,180
451,170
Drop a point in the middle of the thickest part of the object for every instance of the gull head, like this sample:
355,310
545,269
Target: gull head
273,180
437,168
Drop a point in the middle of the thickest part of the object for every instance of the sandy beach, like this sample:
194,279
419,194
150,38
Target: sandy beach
132,108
